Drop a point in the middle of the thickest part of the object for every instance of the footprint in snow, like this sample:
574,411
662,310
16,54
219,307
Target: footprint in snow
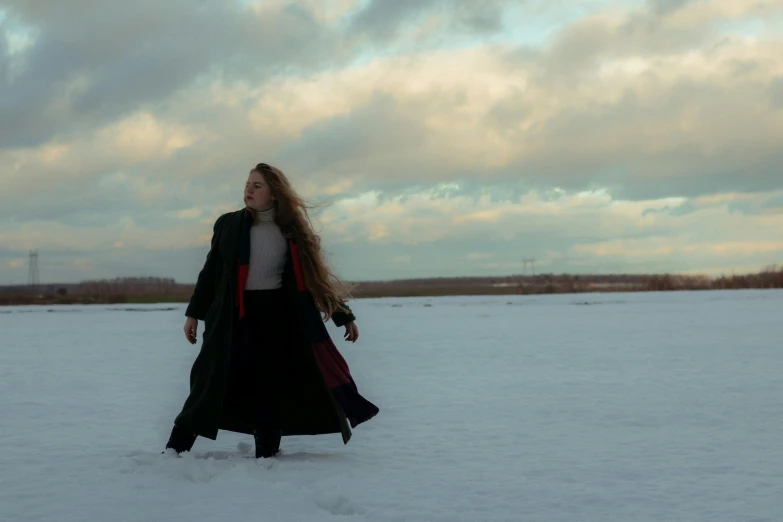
339,505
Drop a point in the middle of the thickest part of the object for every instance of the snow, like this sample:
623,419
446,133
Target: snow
589,407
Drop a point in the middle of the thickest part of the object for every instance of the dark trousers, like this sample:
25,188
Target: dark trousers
264,370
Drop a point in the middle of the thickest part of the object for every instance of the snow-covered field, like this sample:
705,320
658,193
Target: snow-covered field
625,407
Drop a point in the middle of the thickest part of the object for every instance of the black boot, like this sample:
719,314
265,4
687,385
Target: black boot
267,442
180,440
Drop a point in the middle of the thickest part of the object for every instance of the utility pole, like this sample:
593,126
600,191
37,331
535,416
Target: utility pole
32,269
532,261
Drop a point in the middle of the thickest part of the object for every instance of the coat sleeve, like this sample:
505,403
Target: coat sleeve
341,318
204,292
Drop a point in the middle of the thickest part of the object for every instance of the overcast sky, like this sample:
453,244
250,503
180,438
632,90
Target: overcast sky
440,137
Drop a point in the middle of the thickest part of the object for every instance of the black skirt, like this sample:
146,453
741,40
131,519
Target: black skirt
259,372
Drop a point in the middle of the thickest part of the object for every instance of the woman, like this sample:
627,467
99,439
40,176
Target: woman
267,365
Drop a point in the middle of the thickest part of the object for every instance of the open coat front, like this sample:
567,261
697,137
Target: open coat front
319,394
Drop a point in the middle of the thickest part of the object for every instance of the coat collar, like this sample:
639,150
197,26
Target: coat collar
229,238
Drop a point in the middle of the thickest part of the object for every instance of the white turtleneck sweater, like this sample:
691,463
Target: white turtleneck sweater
268,250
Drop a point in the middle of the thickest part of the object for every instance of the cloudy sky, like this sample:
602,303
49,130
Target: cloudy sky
439,137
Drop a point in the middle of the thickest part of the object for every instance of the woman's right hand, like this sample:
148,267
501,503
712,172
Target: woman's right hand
191,326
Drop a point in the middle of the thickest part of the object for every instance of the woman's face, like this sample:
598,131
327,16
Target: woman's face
258,195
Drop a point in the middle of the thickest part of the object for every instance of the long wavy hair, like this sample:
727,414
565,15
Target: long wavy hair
291,215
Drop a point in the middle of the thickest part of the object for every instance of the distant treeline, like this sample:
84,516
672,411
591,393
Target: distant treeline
166,290
99,291
771,277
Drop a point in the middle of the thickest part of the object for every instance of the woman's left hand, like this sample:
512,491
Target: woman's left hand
351,332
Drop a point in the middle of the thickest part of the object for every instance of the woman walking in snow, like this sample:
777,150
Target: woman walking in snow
267,364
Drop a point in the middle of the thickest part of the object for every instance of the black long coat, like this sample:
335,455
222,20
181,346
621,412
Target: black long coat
308,407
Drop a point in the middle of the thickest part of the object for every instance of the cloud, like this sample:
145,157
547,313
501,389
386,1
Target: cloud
678,124
576,232
98,61
659,249
13,264
384,19
664,7
478,256
645,120
776,92
632,132
375,133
